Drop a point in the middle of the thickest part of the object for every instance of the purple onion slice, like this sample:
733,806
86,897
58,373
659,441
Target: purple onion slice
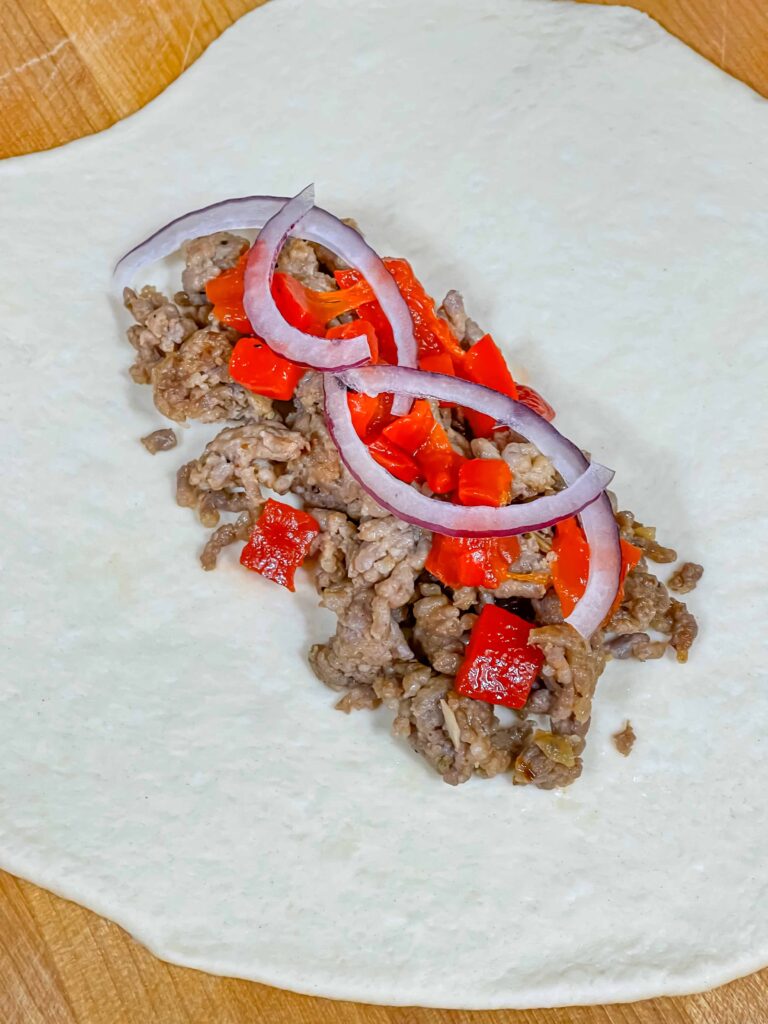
261,309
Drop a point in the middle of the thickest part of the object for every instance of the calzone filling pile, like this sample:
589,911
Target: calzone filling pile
481,572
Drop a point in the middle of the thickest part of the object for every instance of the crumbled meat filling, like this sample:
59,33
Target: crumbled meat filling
644,537
625,740
685,579
223,536
193,382
160,440
400,634
229,474
452,310
300,260
206,257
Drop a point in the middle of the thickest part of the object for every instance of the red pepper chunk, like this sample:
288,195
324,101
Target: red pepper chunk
484,363
472,561
394,460
432,333
280,542
438,362
294,301
485,482
291,299
227,287
499,665
363,410
254,365
570,565
409,432
419,435
358,292
534,401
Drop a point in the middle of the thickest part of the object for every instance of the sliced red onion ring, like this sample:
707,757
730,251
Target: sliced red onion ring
603,582
584,492
267,320
317,226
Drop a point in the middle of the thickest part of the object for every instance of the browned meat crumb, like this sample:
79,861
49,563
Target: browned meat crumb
644,537
160,440
193,382
317,475
452,310
548,761
684,580
200,311
365,571
159,329
682,627
635,645
548,610
206,257
299,259
363,646
457,736
625,739
441,632
645,598
570,672
229,474
358,698
223,536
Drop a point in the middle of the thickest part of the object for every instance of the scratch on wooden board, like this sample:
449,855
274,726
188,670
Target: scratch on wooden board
191,35
724,33
36,60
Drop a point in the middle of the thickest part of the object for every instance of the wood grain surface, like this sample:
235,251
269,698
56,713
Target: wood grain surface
72,67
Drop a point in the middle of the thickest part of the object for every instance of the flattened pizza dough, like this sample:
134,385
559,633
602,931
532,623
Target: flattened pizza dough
600,195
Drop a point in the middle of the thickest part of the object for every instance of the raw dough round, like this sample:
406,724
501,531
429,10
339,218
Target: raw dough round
599,194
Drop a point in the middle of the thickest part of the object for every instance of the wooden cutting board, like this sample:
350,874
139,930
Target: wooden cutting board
72,67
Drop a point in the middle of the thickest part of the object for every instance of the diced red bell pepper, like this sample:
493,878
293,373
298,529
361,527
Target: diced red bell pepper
363,409
369,413
432,333
328,305
227,287
534,401
409,432
499,666
353,330
484,363
225,292
279,542
254,365
353,286
472,561
437,362
394,460
570,565
291,299
439,463
485,482
421,436
294,301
